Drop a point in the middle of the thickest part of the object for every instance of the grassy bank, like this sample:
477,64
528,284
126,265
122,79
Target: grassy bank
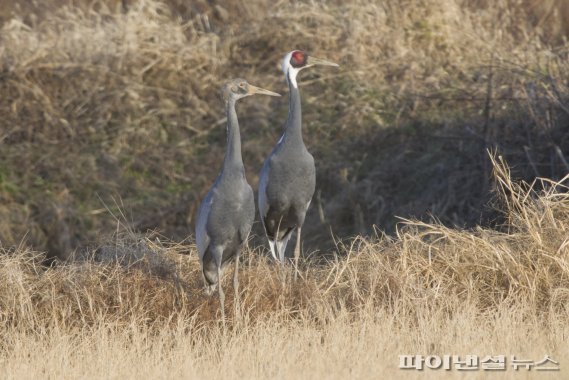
106,109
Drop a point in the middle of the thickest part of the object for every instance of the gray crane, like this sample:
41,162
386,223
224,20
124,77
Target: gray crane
227,212
288,176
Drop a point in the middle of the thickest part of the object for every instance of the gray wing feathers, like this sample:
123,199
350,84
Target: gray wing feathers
262,193
281,246
202,237
263,202
245,227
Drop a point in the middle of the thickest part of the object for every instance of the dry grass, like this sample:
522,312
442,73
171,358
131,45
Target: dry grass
342,348
428,290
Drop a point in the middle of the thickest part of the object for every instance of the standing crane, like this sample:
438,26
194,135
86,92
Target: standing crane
288,177
227,212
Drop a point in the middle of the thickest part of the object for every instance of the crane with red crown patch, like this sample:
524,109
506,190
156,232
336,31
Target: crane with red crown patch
288,177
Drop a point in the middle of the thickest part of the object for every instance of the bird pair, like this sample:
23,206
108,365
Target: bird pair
286,186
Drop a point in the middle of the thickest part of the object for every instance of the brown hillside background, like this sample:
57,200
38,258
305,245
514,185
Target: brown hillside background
111,109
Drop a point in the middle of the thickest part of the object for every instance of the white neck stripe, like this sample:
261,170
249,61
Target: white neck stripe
292,76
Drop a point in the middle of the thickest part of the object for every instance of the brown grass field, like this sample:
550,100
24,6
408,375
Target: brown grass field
440,224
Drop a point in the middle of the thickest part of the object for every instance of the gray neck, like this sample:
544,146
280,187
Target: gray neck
233,153
293,126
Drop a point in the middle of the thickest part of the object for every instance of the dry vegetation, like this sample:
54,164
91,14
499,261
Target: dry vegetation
137,309
111,129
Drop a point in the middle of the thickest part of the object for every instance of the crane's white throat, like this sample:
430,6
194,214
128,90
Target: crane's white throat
292,76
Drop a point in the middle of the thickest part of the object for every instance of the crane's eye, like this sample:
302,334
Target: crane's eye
242,84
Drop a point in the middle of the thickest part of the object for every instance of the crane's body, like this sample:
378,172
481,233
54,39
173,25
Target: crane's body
224,222
288,177
227,212
287,182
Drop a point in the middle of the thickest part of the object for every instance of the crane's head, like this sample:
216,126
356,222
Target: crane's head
239,88
297,60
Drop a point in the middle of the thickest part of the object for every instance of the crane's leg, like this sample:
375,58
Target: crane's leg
218,256
221,295
297,252
236,283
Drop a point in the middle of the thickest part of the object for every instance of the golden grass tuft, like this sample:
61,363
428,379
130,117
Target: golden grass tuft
428,290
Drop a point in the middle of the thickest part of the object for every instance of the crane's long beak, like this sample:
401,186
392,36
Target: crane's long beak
259,90
311,61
